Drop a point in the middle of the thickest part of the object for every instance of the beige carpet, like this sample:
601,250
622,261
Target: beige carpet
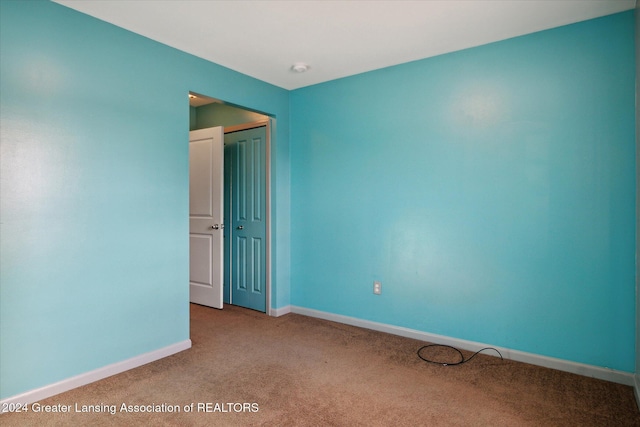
252,369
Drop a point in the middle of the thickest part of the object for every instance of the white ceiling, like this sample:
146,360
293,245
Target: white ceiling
337,38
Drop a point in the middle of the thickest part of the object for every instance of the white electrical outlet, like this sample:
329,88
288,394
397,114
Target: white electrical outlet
377,287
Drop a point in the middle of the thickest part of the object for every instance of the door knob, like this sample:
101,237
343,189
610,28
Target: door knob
240,227
215,227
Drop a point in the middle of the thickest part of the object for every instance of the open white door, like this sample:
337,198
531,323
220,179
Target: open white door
206,162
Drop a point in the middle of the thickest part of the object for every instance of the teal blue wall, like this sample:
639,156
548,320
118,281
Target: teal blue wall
193,118
491,190
94,191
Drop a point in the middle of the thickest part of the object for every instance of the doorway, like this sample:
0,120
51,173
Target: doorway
247,260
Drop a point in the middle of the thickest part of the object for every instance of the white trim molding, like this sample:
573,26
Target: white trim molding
621,377
277,312
96,375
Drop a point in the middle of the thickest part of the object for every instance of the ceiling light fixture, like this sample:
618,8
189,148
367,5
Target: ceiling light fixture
300,67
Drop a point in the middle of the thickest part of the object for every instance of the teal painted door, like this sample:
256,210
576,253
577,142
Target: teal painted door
245,216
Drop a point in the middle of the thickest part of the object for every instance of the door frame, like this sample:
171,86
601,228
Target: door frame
268,126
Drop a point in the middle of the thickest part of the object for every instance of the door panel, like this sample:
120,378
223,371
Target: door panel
200,179
245,152
257,271
200,250
205,216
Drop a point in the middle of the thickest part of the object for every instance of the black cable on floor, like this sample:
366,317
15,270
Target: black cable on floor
462,359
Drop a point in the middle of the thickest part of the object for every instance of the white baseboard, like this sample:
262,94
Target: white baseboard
606,374
277,312
95,375
534,359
